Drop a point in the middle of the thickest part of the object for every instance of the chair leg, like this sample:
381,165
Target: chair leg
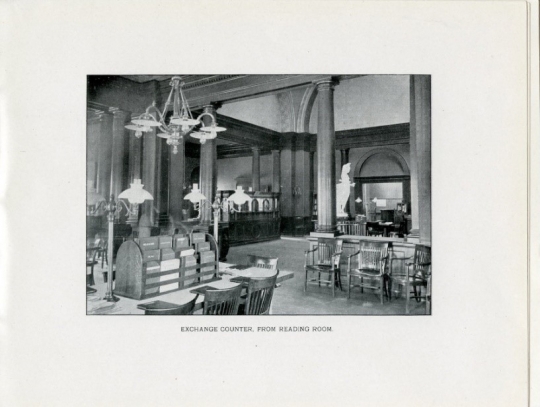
333,277
428,296
349,289
389,289
417,294
382,288
319,279
305,282
407,295
90,278
339,280
362,285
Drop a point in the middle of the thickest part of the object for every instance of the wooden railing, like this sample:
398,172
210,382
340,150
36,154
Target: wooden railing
351,227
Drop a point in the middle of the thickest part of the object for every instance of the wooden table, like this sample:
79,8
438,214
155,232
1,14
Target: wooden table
128,306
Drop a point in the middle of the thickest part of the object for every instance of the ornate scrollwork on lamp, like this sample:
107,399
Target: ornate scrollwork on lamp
181,122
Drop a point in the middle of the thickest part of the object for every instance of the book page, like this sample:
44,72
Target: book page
472,351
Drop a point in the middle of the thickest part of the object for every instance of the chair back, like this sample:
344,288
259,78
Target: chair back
222,302
184,309
327,250
422,260
259,295
350,228
91,254
102,244
263,262
372,256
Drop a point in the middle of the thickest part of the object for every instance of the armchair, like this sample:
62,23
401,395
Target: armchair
417,275
372,258
326,262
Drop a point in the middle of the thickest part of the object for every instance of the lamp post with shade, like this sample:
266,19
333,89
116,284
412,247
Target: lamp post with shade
135,196
239,197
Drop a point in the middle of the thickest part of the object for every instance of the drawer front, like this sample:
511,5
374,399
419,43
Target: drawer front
180,241
165,242
149,243
198,238
189,261
207,257
172,264
167,254
152,267
204,246
150,255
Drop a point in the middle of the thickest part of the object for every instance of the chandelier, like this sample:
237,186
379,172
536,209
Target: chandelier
181,122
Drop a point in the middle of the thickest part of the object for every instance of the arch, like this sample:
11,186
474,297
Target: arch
382,150
306,107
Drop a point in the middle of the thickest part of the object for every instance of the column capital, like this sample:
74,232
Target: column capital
212,107
326,84
256,149
119,114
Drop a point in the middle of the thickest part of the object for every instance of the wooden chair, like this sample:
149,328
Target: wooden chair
372,258
167,308
417,275
91,261
270,263
259,295
222,302
327,262
374,229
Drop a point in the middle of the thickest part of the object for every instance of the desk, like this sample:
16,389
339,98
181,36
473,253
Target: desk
128,306
386,226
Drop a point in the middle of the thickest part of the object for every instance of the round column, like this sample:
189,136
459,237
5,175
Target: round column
326,159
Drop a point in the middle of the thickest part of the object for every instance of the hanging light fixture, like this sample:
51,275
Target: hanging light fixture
181,122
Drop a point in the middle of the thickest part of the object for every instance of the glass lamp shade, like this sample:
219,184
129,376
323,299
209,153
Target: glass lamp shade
195,195
203,136
357,200
136,194
184,121
239,197
213,128
374,200
163,135
136,127
146,120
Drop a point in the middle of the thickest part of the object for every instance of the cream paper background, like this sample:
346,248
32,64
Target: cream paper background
471,352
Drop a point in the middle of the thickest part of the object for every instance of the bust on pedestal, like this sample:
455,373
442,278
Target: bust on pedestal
343,190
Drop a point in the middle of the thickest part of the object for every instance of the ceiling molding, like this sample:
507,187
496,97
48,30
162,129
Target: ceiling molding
233,151
240,87
248,134
392,134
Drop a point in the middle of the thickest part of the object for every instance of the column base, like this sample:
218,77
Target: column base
413,236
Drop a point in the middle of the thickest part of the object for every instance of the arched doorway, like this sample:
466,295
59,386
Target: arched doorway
382,181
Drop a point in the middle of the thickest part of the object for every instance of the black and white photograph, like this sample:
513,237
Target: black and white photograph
318,203
290,194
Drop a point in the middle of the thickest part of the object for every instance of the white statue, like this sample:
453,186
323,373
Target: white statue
343,190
